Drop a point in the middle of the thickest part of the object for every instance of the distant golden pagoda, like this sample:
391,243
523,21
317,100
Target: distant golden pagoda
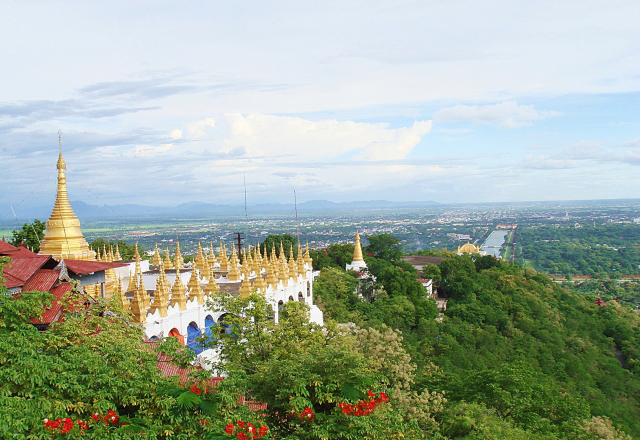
63,238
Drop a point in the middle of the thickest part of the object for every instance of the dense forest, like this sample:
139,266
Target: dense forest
512,346
608,249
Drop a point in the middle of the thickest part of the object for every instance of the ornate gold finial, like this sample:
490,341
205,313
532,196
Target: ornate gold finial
357,249
111,284
200,256
63,238
179,293
138,307
133,283
272,275
156,256
111,256
136,255
284,272
117,256
293,267
195,289
211,288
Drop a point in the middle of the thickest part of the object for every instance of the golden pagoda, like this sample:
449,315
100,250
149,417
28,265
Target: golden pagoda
121,295
307,257
179,293
117,256
212,256
245,287
469,248
63,238
167,260
234,273
161,295
178,261
195,289
224,262
157,259
357,249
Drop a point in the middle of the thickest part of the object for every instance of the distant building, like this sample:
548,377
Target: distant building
469,248
357,264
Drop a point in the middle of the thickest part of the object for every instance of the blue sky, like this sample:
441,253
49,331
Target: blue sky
162,103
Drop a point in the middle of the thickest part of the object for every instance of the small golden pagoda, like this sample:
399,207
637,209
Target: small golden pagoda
357,249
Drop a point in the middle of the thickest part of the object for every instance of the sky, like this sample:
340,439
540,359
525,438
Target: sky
161,103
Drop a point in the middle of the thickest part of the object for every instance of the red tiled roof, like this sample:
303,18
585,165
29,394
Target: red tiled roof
81,267
54,312
19,270
43,280
15,251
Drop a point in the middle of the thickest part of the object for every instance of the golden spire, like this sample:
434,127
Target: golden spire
111,283
212,256
105,255
111,256
284,271
195,290
121,295
167,260
272,275
211,288
117,256
357,249
245,287
224,263
138,307
205,269
161,295
300,261
179,293
293,267
199,256
157,259
133,283
233,274
307,257
178,262
136,255
63,238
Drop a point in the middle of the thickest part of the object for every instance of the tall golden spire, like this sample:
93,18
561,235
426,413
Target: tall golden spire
179,293
307,257
195,290
121,295
63,238
161,295
212,256
357,250
117,256
178,262
300,261
224,262
157,259
245,287
233,274
167,260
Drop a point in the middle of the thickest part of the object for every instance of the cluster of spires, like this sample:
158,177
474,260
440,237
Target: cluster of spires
277,269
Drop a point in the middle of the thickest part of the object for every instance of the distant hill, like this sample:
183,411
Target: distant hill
190,209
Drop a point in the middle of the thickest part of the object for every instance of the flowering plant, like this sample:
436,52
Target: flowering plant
66,425
363,407
246,431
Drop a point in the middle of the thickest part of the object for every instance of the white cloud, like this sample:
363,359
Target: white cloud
149,150
298,138
196,129
175,134
507,114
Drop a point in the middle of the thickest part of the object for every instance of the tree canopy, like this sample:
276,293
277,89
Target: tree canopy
31,234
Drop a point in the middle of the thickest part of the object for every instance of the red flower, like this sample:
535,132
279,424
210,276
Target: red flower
262,431
229,428
95,417
383,397
240,424
67,425
242,436
195,389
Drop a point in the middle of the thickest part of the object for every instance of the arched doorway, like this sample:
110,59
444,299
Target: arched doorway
193,333
300,297
175,333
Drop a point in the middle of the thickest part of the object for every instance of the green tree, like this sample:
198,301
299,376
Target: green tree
296,365
31,235
334,291
287,241
384,246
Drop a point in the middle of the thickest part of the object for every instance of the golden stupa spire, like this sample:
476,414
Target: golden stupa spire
178,262
138,307
63,238
111,283
307,257
199,256
245,287
136,255
161,295
157,259
272,275
293,267
133,283
167,260
117,256
300,261
111,256
212,256
179,293
105,255
121,295
211,288
224,262
357,249
233,274
195,290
